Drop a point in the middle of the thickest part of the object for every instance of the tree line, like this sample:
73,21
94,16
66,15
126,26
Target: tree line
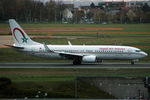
31,10
130,15
101,14
36,11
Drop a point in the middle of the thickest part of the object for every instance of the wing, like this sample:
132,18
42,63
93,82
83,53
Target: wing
66,54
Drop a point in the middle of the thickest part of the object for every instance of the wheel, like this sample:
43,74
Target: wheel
132,62
74,62
99,61
77,62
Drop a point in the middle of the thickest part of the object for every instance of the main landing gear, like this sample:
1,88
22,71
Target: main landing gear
77,62
132,62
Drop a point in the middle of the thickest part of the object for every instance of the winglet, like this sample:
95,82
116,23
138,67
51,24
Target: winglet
46,47
69,43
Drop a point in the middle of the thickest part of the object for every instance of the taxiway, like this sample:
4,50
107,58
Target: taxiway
69,65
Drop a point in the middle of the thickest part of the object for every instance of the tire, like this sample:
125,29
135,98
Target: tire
132,62
77,62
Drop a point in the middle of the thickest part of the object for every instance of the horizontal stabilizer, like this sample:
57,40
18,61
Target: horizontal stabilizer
15,47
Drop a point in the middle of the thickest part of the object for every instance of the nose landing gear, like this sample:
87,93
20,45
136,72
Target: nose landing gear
133,61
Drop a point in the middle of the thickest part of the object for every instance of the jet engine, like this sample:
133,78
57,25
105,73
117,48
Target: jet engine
89,59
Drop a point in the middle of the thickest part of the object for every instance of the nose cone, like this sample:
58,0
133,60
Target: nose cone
145,54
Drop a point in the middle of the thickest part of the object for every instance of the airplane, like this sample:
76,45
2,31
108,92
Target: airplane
78,53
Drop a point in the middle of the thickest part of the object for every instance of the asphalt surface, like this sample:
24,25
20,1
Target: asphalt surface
67,65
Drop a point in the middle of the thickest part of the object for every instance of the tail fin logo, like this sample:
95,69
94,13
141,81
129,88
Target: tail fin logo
24,39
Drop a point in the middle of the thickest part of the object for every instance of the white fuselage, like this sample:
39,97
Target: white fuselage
78,53
101,51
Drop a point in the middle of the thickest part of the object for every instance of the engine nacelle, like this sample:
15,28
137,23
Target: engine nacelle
89,59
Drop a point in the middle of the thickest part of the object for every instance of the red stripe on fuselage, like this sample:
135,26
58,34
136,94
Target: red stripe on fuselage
86,53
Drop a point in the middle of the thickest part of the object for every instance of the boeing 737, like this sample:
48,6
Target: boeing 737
78,53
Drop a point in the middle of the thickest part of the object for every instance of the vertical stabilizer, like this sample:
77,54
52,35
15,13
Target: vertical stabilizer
19,36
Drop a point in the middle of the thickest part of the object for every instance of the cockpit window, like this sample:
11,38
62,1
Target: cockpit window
138,50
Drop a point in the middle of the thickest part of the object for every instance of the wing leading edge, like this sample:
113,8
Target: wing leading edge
62,53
